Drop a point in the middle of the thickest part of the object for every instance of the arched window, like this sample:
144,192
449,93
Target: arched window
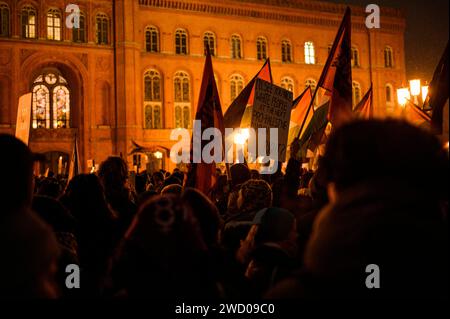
151,39
355,57
181,42
286,51
54,24
356,92
182,100
312,83
50,111
102,28
236,85
236,47
28,22
261,48
152,100
388,57
79,34
4,20
310,57
209,39
287,83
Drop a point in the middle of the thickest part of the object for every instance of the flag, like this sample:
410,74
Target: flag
438,92
24,118
74,166
203,175
336,77
364,109
235,112
417,116
299,109
318,122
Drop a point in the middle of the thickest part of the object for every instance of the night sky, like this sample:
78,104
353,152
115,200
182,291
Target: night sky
426,32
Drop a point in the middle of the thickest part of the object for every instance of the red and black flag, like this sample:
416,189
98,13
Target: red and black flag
74,165
298,114
364,109
438,92
209,111
336,76
235,112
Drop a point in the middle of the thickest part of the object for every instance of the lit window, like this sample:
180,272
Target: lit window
389,94
356,93
152,99
182,100
209,39
53,25
4,20
261,48
102,25
288,84
309,53
50,112
236,85
151,39
181,42
79,34
28,22
236,47
286,51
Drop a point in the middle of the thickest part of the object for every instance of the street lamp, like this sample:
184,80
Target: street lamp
424,93
158,154
403,96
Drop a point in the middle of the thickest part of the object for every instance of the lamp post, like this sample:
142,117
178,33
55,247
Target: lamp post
418,92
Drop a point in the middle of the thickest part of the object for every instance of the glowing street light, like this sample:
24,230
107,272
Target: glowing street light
241,136
414,87
403,96
424,92
158,154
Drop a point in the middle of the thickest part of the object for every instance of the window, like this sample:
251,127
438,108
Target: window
389,95
356,93
102,28
236,47
4,20
152,100
209,39
53,25
182,100
288,84
388,57
181,42
261,48
309,53
28,22
355,57
51,101
151,39
79,34
236,85
312,83
286,51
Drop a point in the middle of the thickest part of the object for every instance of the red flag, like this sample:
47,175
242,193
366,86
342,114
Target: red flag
417,116
300,106
203,175
235,112
364,109
336,76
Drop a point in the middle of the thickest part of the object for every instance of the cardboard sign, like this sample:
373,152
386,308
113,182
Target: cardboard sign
24,118
272,109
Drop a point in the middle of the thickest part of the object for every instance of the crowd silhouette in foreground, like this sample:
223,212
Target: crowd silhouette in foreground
379,196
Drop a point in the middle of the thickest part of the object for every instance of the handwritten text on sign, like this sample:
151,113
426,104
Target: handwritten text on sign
272,109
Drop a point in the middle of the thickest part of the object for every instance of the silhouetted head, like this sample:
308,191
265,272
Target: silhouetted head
239,174
113,173
16,161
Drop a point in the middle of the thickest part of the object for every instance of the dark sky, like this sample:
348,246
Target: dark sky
426,32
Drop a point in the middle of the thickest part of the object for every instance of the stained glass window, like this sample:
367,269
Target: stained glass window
50,111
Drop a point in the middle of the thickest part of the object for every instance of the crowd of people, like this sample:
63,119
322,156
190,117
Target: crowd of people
379,196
